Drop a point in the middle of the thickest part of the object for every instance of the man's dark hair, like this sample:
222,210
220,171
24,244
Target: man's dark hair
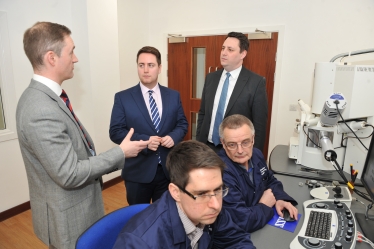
41,38
150,50
243,40
190,155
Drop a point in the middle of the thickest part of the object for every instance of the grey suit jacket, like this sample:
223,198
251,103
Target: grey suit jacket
65,198
248,98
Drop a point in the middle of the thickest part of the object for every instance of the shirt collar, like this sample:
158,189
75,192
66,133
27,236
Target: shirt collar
189,227
54,86
145,89
234,73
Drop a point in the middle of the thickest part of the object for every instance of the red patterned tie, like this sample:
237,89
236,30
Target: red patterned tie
65,98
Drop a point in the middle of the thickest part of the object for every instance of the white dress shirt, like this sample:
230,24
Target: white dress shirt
234,74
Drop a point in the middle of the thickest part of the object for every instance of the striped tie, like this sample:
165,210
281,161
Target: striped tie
155,116
65,98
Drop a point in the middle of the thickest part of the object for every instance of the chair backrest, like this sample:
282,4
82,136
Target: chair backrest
104,232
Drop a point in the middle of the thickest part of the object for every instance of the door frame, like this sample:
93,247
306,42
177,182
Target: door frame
278,65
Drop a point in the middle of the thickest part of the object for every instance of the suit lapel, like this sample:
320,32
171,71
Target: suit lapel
139,101
211,91
61,104
240,83
165,96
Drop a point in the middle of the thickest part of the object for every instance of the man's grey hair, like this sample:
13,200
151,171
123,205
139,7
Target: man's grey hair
234,122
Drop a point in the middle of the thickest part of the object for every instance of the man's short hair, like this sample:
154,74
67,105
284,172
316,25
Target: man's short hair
150,50
41,38
234,122
190,155
243,40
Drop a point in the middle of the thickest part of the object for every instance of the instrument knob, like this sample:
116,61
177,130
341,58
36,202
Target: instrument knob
349,217
313,241
350,232
347,211
348,238
336,201
339,205
338,245
350,223
320,205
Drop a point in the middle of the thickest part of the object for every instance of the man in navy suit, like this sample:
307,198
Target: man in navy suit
157,115
190,214
245,94
254,190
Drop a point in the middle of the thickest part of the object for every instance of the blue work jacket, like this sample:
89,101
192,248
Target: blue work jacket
159,226
242,201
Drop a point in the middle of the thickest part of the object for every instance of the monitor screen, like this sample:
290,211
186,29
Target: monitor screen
367,177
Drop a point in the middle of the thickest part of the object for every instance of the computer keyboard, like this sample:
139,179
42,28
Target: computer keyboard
327,224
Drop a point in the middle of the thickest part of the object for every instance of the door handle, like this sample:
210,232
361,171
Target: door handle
209,69
216,68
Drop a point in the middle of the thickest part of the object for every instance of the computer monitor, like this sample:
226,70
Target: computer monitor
367,179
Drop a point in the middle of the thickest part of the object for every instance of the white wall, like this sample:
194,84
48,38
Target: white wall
310,31
95,33
313,31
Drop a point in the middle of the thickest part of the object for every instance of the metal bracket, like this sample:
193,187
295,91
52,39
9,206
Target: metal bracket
176,38
259,35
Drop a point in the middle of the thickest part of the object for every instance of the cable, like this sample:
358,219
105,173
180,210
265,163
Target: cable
348,126
310,138
361,137
365,51
338,169
361,238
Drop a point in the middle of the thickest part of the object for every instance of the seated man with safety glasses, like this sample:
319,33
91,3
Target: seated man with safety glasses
190,214
253,188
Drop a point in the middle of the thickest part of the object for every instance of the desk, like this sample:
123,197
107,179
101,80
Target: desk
272,237
279,163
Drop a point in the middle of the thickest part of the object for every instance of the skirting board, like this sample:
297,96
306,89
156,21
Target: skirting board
26,206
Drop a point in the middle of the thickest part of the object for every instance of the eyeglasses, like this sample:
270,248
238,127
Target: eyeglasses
245,144
204,198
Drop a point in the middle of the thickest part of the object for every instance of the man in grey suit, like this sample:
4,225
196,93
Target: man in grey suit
63,171
232,90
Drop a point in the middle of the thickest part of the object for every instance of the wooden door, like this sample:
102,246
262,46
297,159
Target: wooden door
182,70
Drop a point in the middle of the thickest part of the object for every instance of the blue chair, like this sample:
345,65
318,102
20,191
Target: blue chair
103,233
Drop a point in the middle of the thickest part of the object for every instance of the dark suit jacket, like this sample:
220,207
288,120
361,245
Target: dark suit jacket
130,111
248,98
159,226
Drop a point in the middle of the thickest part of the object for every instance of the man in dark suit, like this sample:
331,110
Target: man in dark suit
157,114
62,167
190,214
232,90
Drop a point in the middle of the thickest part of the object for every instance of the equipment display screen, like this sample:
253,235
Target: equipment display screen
368,171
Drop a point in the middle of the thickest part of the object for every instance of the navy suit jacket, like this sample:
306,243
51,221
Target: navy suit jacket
248,99
159,226
130,111
242,200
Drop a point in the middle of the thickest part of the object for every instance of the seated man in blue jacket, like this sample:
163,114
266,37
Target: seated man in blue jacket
253,188
190,214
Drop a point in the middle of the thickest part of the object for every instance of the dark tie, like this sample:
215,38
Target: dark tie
155,116
65,98
220,111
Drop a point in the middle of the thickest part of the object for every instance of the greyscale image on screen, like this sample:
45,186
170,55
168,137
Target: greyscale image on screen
368,173
366,221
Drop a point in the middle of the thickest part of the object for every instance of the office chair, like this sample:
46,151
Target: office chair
103,233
